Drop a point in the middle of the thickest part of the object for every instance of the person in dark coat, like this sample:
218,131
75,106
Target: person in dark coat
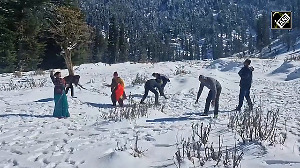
151,85
114,86
245,84
162,79
70,80
213,95
60,97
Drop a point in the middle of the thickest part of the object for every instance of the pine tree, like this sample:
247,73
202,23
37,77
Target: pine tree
112,41
7,48
123,45
263,37
26,20
70,31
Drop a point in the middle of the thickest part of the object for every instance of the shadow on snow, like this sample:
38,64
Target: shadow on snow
105,106
175,119
25,115
44,100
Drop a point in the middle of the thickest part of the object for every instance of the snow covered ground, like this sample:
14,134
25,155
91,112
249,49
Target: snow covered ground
31,138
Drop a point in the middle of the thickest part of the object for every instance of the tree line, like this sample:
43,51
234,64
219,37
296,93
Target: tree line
60,33
41,34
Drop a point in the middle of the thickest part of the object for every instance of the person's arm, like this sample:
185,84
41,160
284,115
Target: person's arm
199,92
52,76
166,79
63,82
110,85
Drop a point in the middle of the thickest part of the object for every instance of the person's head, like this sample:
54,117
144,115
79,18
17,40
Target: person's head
116,75
202,78
247,62
57,74
155,75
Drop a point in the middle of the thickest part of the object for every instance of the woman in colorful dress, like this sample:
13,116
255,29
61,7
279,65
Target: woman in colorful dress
60,97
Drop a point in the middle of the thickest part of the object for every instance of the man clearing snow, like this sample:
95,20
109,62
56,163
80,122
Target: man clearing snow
70,79
245,84
162,79
150,85
213,95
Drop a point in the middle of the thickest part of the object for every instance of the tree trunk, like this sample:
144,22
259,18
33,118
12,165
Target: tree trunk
68,60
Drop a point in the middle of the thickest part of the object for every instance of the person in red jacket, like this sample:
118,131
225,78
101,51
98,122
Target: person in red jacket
117,90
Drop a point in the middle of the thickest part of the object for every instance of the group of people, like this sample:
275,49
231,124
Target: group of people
62,85
215,89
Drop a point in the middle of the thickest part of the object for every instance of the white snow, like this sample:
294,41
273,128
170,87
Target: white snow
30,137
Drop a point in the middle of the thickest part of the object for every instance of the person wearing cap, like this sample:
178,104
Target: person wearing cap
245,84
117,90
213,95
60,97
162,79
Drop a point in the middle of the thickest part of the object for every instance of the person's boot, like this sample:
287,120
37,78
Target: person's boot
204,114
142,102
250,106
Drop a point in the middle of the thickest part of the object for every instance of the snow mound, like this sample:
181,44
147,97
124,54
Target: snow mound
225,65
284,68
294,75
289,70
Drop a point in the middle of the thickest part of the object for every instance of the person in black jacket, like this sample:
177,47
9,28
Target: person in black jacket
162,79
245,84
150,85
70,80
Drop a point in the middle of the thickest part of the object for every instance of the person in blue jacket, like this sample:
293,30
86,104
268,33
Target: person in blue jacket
245,84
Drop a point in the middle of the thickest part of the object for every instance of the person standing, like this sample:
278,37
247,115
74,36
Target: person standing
162,79
117,90
151,85
70,80
60,97
213,95
245,84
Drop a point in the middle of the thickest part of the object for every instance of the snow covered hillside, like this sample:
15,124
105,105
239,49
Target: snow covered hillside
30,137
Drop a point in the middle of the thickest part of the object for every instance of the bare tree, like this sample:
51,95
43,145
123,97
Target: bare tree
69,30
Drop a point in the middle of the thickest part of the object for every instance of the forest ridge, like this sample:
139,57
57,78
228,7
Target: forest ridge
113,31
